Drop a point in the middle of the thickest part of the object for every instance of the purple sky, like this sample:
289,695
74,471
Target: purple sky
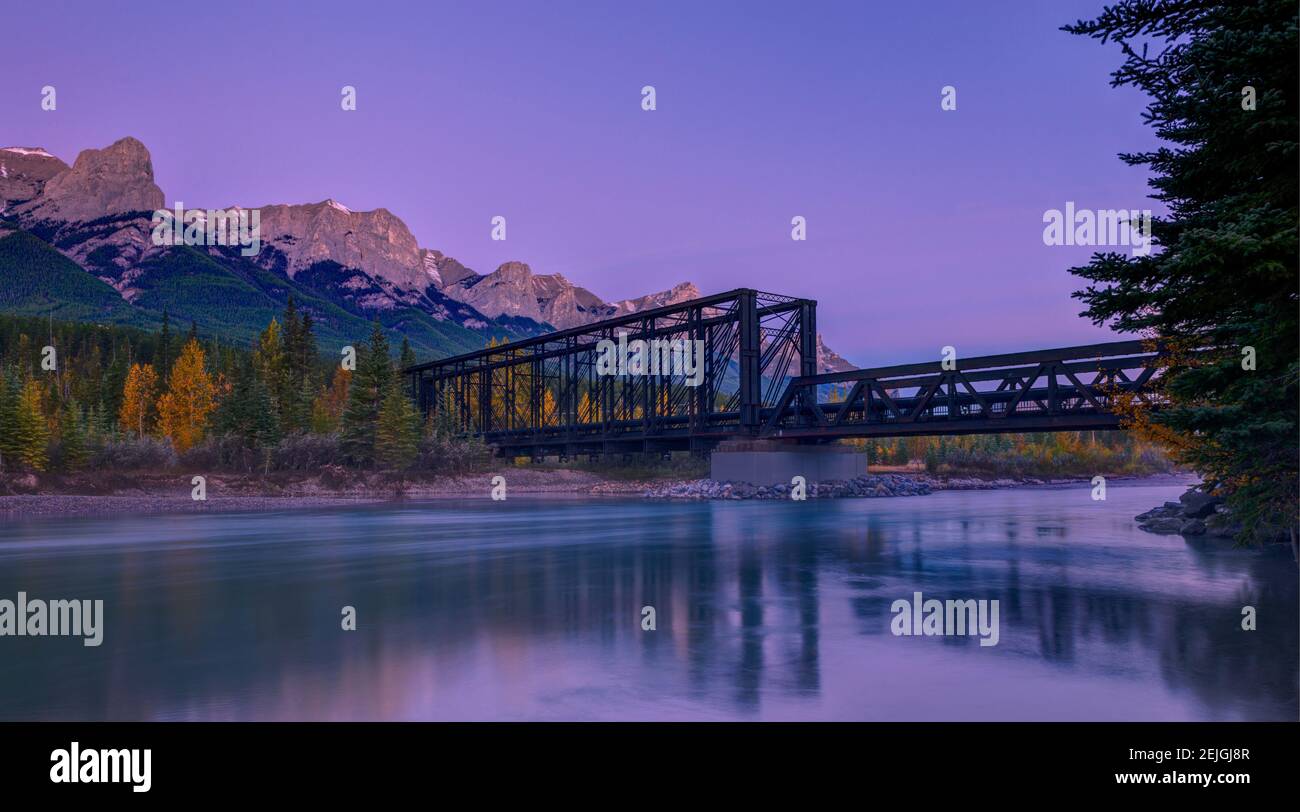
924,226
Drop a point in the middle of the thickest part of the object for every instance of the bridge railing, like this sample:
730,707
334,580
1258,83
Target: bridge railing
1056,389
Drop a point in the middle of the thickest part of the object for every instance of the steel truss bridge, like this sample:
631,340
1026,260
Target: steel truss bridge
546,396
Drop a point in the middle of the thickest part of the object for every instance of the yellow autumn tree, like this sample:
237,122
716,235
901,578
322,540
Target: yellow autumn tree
191,396
137,398
328,407
550,411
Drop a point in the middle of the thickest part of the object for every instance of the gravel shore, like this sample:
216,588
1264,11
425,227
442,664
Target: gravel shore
151,494
27,496
872,486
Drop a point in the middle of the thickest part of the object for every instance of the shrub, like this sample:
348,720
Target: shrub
306,452
452,455
134,454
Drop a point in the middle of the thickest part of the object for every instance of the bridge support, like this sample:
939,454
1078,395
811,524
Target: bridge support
769,462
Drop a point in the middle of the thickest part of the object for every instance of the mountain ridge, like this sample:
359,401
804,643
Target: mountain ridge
97,213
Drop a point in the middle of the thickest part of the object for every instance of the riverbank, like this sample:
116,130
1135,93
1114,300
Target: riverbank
87,494
109,493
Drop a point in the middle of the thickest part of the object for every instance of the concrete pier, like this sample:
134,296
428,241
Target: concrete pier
768,462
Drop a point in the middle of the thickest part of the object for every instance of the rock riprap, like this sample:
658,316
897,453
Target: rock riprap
1196,513
870,486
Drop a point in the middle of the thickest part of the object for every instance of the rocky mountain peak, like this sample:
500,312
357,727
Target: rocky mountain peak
376,242
112,180
681,292
385,267
24,172
512,273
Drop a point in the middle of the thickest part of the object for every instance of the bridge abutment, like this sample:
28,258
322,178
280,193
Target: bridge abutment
768,462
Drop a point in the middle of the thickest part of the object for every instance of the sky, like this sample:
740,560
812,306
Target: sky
924,226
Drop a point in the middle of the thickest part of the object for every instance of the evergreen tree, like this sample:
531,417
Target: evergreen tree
98,428
163,358
33,428
72,436
115,377
397,435
407,355
299,364
269,361
1222,96
246,412
366,393
10,446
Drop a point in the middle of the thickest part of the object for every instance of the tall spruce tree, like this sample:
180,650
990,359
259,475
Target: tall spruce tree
163,361
33,428
397,435
72,436
246,412
299,367
1221,77
10,447
366,394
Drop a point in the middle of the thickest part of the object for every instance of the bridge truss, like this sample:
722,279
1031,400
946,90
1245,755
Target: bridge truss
1065,389
544,395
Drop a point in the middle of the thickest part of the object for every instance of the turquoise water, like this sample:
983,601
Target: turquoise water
532,609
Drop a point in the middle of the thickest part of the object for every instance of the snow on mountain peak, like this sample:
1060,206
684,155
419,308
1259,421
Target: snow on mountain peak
27,151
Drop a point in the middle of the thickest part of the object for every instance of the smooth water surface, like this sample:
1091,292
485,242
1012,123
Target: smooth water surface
531,609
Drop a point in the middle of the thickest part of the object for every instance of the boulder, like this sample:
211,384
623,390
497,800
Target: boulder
1197,504
1165,525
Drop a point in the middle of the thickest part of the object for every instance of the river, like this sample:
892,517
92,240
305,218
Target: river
531,608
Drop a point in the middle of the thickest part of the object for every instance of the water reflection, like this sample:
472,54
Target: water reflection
532,609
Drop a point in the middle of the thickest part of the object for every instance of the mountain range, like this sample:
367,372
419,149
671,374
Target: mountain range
75,243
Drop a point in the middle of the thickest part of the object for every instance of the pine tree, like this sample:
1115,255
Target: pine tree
246,412
115,377
97,428
10,391
397,435
1220,76
292,415
269,361
163,360
33,428
299,367
367,391
407,355
72,436
191,397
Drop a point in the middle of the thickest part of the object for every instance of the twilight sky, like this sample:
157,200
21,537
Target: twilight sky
924,226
